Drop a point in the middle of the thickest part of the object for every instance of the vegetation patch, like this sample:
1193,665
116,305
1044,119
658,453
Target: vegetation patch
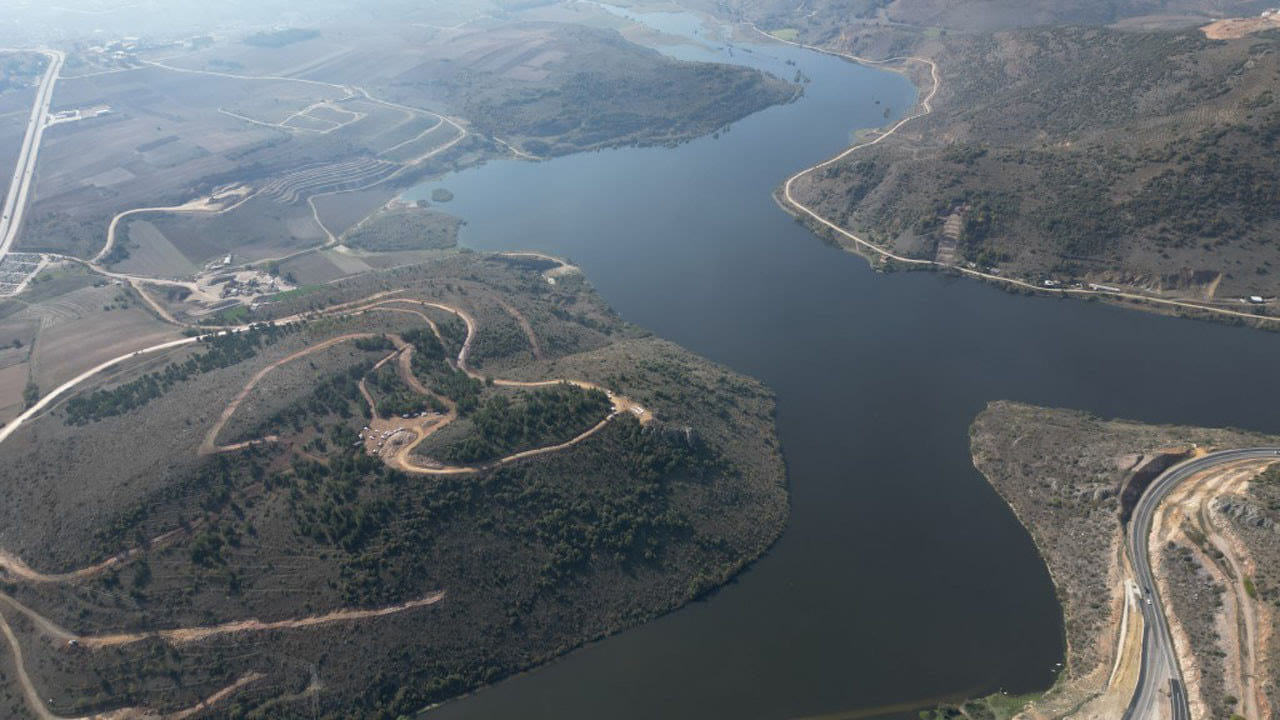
222,351
281,38
406,229
535,418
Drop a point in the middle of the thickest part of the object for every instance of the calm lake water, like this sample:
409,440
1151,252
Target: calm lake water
902,576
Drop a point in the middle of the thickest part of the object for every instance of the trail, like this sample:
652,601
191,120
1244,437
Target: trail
402,458
331,240
35,701
204,205
534,346
351,90
14,567
563,267
208,446
69,385
184,636
790,202
65,387
174,637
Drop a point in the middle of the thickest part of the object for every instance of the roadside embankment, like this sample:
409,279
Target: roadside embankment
1071,479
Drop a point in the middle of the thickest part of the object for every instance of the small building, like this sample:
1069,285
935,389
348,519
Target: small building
1256,299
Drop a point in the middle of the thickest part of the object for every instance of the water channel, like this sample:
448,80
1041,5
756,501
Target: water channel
902,576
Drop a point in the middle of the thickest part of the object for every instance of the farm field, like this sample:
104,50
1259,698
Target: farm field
77,331
152,254
340,212
13,378
172,137
260,228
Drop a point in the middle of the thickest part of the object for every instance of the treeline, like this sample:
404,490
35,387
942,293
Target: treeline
429,363
459,387
223,351
394,398
208,489
21,70
542,417
374,344
330,511
562,511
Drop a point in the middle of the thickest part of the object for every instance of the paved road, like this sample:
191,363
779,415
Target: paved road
926,107
1160,679
15,201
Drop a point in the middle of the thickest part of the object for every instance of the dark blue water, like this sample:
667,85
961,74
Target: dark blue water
902,576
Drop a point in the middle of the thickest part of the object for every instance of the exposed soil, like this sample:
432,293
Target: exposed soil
1063,473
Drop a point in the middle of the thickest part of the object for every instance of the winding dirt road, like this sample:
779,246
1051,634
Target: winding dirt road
35,702
402,457
201,206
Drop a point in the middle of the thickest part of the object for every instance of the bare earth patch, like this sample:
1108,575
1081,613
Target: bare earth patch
1240,27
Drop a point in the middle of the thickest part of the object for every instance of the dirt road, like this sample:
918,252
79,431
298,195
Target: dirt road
412,434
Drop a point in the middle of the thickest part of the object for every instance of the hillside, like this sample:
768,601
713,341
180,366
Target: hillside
281,542
825,19
560,88
1137,159
1096,148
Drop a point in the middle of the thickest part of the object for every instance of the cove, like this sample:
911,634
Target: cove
902,576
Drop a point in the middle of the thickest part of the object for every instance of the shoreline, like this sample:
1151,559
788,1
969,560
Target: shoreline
883,259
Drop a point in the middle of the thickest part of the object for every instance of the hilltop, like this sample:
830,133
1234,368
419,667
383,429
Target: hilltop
387,491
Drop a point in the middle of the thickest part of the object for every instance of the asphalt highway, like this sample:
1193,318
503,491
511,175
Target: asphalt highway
1160,683
15,201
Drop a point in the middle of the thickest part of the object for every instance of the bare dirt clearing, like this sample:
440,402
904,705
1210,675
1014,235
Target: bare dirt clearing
1240,27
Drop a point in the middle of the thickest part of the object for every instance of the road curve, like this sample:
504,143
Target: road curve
1160,673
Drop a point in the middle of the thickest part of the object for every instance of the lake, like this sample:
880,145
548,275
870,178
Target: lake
902,576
